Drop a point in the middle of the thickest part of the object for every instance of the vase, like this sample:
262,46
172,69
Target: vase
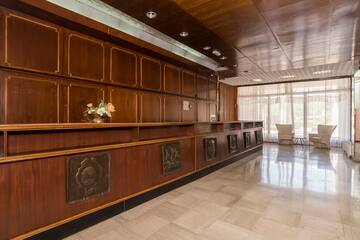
98,119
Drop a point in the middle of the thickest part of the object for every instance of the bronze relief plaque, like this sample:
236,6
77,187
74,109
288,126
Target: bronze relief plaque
210,149
232,143
258,136
171,157
87,176
247,139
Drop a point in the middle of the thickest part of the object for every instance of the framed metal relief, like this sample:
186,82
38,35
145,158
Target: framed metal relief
210,149
247,139
171,157
87,176
258,136
232,143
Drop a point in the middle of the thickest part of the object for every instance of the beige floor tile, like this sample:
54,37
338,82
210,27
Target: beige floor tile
282,215
242,217
223,199
195,221
220,230
255,205
146,225
168,211
173,232
321,225
276,230
99,229
186,200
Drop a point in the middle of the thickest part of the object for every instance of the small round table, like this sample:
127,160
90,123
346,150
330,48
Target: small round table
300,141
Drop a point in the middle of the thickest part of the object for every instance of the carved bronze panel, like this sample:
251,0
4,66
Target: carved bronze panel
258,136
210,149
171,157
247,139
232,143
87,176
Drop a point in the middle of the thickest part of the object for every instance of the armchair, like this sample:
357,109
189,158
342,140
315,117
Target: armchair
322,138
285,133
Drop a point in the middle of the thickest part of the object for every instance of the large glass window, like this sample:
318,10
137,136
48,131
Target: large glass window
303,104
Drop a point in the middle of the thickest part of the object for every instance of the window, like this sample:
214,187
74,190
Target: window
303,104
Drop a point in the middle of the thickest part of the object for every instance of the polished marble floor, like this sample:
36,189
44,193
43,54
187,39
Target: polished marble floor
285,192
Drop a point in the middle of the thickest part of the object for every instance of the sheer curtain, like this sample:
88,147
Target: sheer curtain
303,104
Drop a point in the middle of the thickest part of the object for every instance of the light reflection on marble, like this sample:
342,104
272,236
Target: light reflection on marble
281,193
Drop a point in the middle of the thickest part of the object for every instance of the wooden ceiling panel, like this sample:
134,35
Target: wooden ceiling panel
259,35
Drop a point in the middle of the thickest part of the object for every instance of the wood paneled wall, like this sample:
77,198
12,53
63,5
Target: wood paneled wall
50,73
227,102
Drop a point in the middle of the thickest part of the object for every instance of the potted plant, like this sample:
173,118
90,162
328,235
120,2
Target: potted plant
100,113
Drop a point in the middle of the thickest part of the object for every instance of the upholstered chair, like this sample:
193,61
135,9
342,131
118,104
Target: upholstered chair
285,133
322,138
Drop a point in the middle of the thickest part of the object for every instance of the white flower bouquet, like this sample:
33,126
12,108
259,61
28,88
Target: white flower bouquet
100,113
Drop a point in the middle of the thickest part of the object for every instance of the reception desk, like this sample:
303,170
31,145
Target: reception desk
51,174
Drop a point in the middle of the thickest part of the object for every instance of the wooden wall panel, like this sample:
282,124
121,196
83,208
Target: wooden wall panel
30,98
150,74
31,44
189,115
2,99
125,102
85,57
212,90
212,111
172,80
202,87
123,67
202,111
79,95
150,107
227,99
172,108
188,84
187,156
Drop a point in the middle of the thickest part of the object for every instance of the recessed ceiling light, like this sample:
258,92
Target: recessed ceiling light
223,58
216,53
151,14
257,80
287,76
322,71
184,34
206,48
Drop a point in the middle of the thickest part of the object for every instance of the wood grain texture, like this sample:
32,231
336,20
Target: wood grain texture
188,84
123,67
172,79
203,111
172,108
29,98
202,87
126,104
227,98
31,44
85,57
190,114
150,74
79,95
150,107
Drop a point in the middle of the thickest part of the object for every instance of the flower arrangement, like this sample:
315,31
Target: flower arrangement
100,113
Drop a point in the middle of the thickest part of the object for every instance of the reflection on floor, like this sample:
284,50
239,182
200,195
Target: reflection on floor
287,192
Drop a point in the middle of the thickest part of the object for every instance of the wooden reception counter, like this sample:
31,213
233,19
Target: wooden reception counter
51,174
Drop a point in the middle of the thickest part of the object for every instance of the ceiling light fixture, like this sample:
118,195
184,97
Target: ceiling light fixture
257,80
184,34
206,48
216,52
223,58
151,14
287,76
322,71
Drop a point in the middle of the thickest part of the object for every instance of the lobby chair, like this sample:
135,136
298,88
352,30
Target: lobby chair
285,133
322,138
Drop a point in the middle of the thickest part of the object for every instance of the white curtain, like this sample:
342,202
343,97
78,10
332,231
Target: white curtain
303,104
